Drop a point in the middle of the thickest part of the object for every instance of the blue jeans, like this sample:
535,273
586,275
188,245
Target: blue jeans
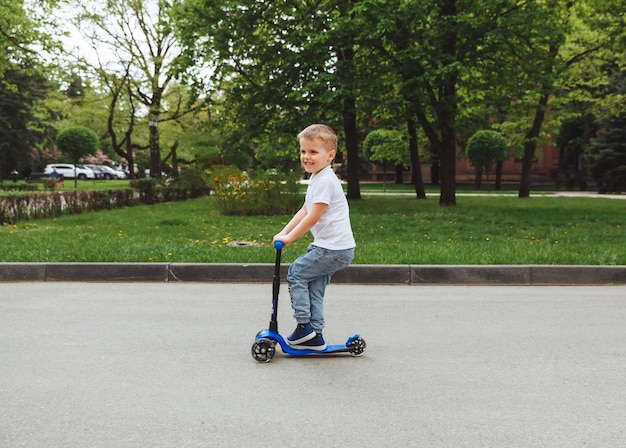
308,277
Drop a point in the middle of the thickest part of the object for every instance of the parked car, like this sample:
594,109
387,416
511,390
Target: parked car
68,171
112,173
96,170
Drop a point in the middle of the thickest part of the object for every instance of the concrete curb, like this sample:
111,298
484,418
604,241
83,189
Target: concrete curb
356,274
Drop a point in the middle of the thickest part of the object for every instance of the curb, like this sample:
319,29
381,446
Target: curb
354,274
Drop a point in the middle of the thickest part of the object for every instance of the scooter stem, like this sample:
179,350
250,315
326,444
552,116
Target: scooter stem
278,245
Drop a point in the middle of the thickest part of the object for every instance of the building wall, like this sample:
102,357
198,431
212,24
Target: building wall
546,163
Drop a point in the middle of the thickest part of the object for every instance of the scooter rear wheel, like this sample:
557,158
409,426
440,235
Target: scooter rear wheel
263,350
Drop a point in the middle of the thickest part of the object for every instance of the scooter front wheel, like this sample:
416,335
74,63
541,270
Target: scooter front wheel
357,346
263,350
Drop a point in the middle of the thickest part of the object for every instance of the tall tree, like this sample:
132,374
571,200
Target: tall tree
24,35
607,151
283,65
137,50
20,127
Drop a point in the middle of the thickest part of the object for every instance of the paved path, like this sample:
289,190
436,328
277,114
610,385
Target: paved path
508,193
168,365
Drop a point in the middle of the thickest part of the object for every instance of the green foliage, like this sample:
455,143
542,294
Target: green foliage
385,146
607,151
275,67
607,154
484,148
77,142
193,179
21,130
266,193
570,138
23,35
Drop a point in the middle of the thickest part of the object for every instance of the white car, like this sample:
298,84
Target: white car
68,171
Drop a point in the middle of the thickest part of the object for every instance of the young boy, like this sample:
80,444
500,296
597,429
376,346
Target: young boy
325,213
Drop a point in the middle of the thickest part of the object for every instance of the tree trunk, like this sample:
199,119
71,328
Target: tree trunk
498,184
478,177
352,147
399,169
532,135
434,171
530,146
447,155
447,110
416,168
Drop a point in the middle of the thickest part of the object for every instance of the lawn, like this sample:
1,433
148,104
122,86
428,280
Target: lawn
389,229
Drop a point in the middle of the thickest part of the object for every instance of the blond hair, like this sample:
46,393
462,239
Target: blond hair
321,131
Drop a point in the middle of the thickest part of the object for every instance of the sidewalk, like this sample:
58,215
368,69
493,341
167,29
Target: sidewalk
165,365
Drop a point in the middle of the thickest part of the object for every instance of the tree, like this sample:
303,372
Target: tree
574,34
386,147
607,154
22,32
20,127
282,65
421,40
453,57
77,142
137,66
607,151
23,79
483,149
449,67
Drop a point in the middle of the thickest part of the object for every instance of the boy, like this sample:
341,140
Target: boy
325,213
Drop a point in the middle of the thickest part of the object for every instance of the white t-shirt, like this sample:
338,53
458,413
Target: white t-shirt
333,230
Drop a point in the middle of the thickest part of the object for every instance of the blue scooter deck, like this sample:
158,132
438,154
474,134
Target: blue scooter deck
286,348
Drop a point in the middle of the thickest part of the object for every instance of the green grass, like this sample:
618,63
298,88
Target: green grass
388,229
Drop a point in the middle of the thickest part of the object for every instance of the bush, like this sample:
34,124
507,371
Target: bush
16,206
483,149
267,193
193,180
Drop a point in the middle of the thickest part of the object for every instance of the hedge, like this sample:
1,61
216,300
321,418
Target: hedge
16,207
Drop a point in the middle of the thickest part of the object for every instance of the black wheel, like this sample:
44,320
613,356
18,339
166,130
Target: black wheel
357,346
263,350
82,176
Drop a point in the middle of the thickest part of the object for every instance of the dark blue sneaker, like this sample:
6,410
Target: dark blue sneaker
317,343
302,333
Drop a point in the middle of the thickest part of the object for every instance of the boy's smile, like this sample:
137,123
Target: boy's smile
315,155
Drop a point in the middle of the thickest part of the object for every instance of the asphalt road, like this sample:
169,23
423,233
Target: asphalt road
169,365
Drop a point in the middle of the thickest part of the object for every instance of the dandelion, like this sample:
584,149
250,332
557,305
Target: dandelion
487,239
169,254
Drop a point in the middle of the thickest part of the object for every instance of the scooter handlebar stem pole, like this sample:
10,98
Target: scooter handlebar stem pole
278,245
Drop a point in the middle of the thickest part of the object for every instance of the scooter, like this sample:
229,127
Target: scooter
264,347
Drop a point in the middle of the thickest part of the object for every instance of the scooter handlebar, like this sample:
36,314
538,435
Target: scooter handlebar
278,245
